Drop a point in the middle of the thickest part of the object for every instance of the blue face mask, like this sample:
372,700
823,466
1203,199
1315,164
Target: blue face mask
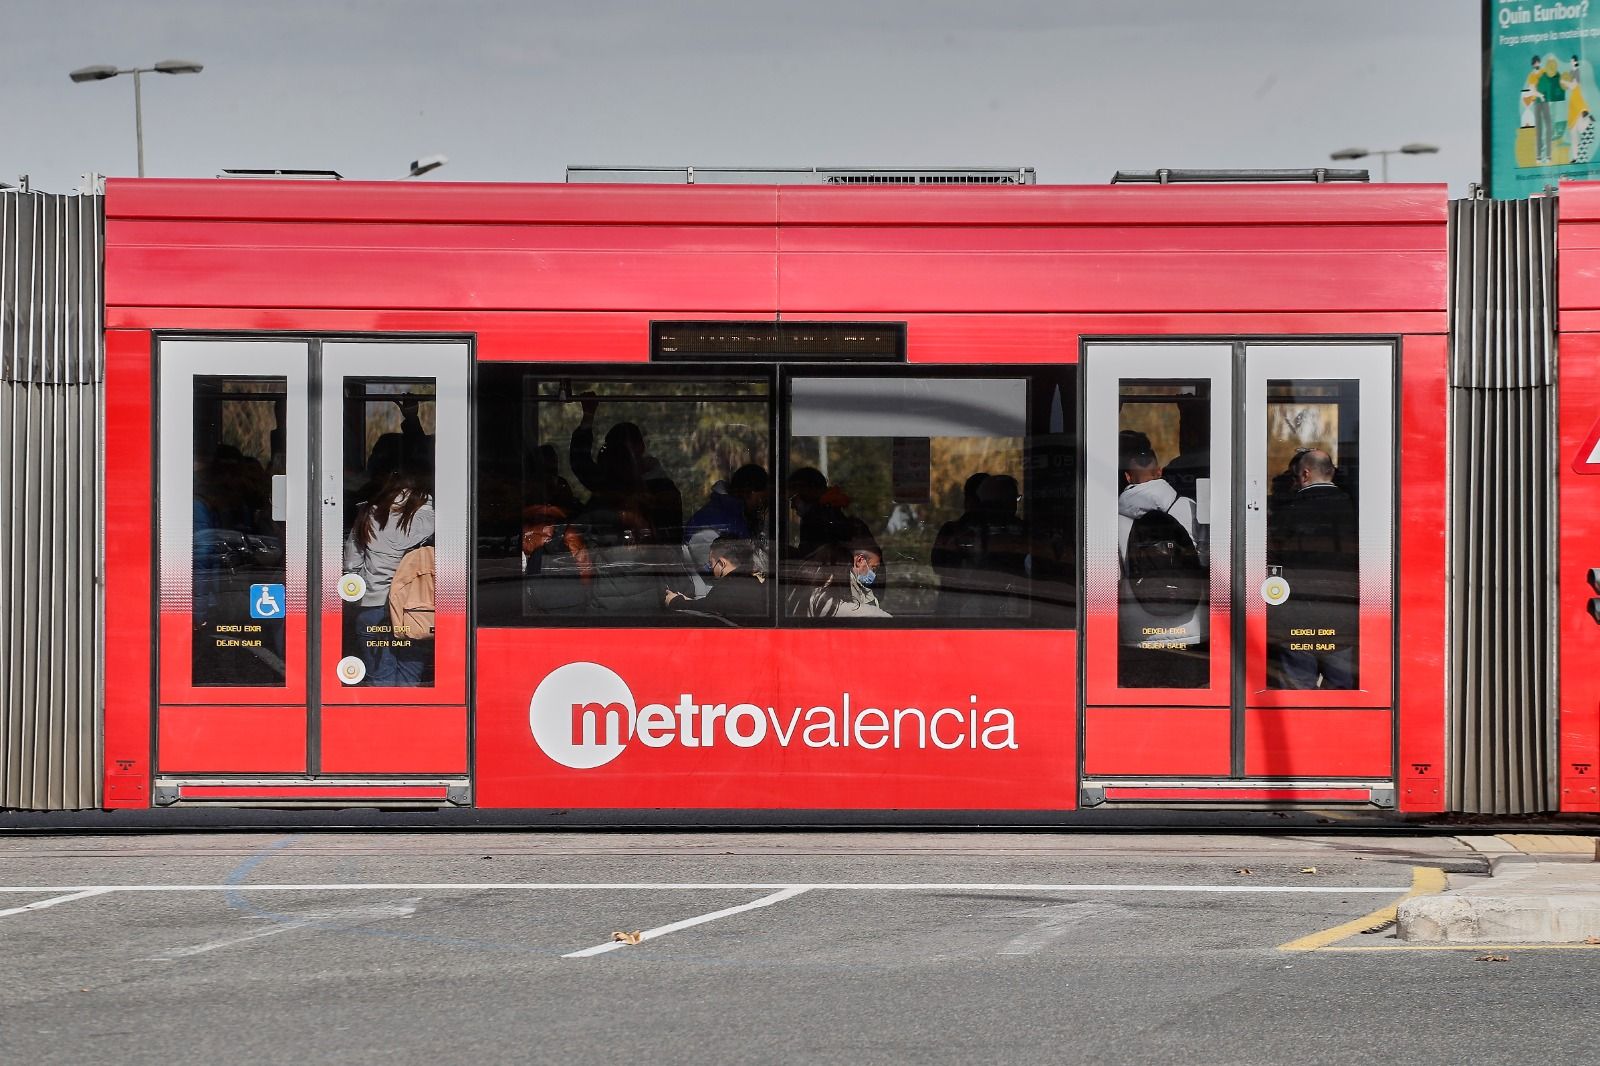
867,578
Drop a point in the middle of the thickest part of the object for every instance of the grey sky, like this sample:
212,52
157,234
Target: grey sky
514,91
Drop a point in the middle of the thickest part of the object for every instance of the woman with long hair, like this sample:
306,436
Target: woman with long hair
399,518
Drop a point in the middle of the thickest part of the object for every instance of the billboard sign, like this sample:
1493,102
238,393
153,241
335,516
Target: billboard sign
1540,118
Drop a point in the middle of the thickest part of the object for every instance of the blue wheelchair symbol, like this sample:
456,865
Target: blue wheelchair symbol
266,601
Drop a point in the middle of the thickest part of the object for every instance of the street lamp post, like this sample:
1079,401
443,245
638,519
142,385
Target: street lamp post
1384,154
106,70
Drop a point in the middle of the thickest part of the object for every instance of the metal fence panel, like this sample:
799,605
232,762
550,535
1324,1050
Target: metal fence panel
52,370
1503,520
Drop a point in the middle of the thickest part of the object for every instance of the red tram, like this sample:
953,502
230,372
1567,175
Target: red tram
764,498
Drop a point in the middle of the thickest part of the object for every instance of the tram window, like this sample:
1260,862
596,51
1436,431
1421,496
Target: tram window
238,568
1164,520
1313,465
627,498
389,426
934,500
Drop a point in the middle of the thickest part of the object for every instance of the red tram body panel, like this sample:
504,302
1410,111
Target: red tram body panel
1232,315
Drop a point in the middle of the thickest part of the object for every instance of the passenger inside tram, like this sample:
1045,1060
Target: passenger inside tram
1192,465
623,476
632,522
822,511
388,528
1313,544
738,508
1162,595
837,581
737,586
983,558
954,543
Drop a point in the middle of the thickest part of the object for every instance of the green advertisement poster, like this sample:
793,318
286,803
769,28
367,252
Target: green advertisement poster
1539,115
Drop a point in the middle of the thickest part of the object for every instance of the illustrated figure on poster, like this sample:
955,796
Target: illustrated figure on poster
1580,123
1533,95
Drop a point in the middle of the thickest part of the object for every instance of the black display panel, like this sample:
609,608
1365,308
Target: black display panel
761,342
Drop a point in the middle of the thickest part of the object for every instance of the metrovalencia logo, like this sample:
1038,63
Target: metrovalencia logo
583,715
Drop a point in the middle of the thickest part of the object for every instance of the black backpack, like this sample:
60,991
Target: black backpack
1165,574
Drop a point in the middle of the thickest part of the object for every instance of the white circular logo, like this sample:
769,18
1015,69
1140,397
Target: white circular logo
352,670
1274,590
582,715
352,587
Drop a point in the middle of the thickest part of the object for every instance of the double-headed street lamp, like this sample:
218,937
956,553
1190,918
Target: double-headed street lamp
106,70
1385,153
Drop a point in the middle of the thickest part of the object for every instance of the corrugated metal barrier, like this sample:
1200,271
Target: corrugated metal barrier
51,382
1503,522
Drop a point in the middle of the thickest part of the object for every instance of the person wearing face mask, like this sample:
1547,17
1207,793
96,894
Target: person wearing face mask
838,582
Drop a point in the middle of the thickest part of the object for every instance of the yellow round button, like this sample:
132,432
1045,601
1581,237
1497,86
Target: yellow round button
1274,590
351,670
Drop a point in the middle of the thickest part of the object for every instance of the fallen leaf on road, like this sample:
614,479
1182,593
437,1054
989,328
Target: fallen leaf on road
1244,870
1308,869
1494,958
1591,940
627,938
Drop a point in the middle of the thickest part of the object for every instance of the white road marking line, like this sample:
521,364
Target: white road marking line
83,893
228,941
673,927
657,886
1057,920
348,916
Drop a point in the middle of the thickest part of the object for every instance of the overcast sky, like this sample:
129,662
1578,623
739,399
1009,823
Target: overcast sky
514,90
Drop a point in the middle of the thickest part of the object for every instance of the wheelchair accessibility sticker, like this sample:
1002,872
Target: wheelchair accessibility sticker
266,601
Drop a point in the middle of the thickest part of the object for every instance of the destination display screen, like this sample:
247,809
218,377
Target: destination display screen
760,342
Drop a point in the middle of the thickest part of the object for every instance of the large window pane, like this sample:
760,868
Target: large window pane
387,585
239,496
623,499
1163,533
941,499
1313,465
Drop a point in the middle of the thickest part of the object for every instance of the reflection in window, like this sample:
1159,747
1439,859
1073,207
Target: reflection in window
388,581
624,499
1313,462
238,602
1163,533
933,500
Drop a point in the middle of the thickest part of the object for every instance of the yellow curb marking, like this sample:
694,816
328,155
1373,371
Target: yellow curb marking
1470,947
1425,881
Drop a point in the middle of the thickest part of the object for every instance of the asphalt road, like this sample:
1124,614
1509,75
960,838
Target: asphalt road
861,947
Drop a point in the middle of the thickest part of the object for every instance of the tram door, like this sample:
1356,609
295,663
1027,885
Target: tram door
312,556
1239,567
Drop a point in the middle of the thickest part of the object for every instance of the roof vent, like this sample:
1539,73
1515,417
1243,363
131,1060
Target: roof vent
804,175
1318,175
297,175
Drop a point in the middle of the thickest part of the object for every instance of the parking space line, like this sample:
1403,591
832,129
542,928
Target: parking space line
687,923
659,886
1425,881
40,905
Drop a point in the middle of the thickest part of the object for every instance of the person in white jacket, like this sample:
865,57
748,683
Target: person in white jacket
1156,651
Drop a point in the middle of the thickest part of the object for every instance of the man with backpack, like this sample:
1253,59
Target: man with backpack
1162,603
